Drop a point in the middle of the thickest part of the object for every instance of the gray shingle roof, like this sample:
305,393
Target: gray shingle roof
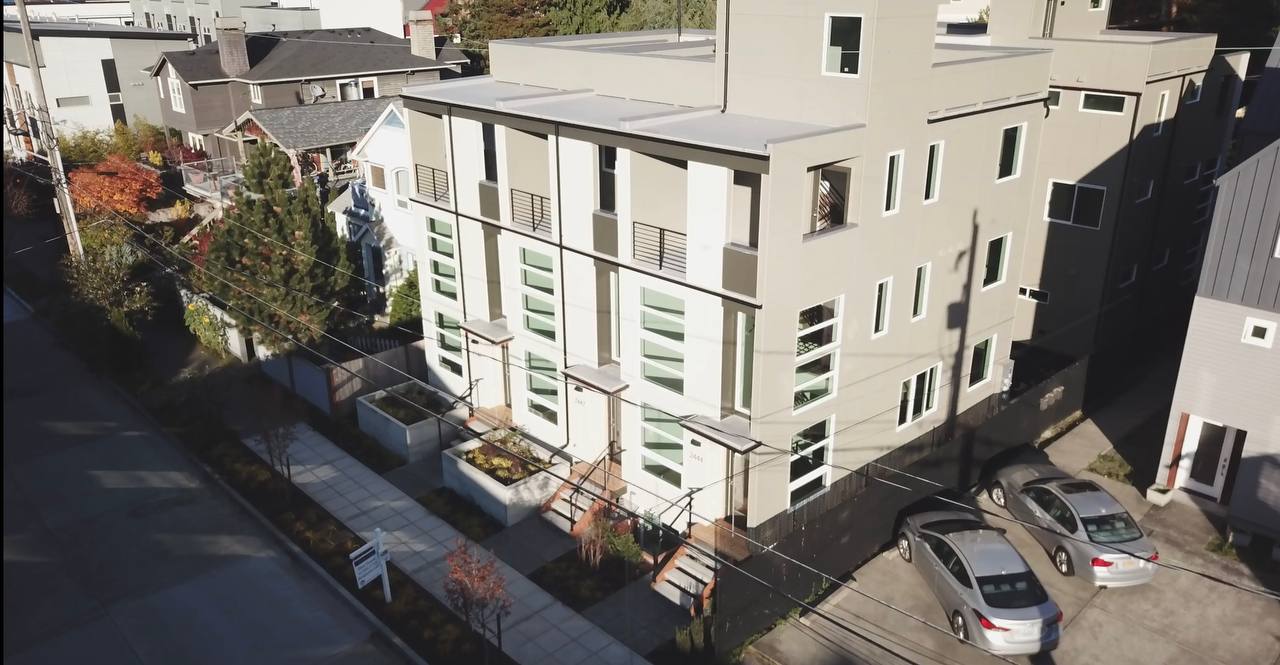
311,54
319,125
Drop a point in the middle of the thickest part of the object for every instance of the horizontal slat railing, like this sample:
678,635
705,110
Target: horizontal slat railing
531,212
658,248
433,183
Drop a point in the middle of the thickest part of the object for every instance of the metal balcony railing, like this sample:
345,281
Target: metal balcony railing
658,248
531,212
215,179
433,183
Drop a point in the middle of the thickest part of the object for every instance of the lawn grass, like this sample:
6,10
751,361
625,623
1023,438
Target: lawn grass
580,586
460,513
1111,465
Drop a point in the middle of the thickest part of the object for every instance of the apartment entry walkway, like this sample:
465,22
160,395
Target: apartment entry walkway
540,628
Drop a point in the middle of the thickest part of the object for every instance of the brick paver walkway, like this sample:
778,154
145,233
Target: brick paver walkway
540,628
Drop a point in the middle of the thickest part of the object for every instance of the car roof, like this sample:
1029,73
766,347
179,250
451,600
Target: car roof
1087,498
987,552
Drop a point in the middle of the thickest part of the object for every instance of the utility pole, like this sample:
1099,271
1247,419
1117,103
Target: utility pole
45,121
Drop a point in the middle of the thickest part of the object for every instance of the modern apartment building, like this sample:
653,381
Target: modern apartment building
197,16
112,12
194,16
1223,437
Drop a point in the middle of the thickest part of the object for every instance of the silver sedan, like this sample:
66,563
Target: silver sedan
991,597
1083,528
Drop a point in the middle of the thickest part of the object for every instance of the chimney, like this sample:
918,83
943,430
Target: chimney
422,34
233,52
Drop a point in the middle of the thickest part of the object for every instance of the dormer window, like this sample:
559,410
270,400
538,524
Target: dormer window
843,46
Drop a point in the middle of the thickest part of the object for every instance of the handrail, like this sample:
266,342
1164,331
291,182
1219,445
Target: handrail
531,211
659,248
432,182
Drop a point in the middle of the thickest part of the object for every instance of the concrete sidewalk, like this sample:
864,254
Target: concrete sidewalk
540,628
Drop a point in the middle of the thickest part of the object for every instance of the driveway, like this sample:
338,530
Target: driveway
116,550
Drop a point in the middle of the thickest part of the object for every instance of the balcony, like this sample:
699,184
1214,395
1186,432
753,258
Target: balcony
740,269
212,179
659,249
432,184
531,212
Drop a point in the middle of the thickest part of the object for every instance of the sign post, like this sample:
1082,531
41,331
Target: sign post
370,562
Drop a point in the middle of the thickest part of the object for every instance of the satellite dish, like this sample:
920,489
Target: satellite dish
317,91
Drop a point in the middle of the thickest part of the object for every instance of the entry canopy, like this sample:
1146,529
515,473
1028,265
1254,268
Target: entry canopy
732,432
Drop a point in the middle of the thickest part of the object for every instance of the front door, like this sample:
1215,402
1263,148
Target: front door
1206,456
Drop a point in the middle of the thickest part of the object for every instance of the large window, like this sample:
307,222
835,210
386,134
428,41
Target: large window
997,261
844,46
746,328
1010,165
537,284
830,198
403,188
487,135
442,258
1075,203
919,396
817,349
449,343
608,156
662,441
892,182
662,339
1096,102
920,295
543,388
176,102
981,362
933,173
880,319
810,457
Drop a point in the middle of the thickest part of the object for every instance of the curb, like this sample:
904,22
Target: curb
291,548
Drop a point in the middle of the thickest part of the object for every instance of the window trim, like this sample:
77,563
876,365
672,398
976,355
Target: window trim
401,197
672,346
541,375
880,308
1162,111
826,42
1102,6
1004,260
436,256
832,349
823,471
527,292
645,453
1017,159
1151,190
1164,260
897,183
920,295
255,93
1250,322
1086,95
933,177
1130,278
1025,292
928,410
442,351
1199,89
990,368
1048,197
371,166
195,141
739,362
176,102
1049,97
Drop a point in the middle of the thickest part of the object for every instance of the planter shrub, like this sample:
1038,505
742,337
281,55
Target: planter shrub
506,500
392,419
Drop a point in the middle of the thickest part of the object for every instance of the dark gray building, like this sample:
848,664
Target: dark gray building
1223,437
204,90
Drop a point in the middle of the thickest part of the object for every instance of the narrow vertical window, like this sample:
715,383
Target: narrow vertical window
662,445
537,282
662,339
490,152
810,471
892,182
880,322
933,173
918,396
608,157
746,325
543,387
1010,153
920,296
844,45
1162,109
997,259
981,361
817,348
615,316
442,260
449,341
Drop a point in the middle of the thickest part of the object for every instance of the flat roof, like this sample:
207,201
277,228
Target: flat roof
90,29
702,126
683,45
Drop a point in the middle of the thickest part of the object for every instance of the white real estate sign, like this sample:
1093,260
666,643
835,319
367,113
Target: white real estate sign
370,563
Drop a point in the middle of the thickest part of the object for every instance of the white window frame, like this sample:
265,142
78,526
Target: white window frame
1048,196
401,196
255,93
195,141
1150,191
1048,99
541,376
176,102
161,83
1250,322
437,256
646,454
359,81
991,361
920,292
897,182
880,308
1017,159
526,291
741,350
370,167
1102,6
832,348
1162,261
1086,95
823,471
615,316
1199,89
1005,250
672,346
1025,292
443,335
1162,110
933,178
1129,278
826,41
930,396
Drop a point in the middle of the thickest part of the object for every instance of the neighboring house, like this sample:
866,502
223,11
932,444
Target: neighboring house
389,16
206,89
94,75
194,16
113,12
374,211
1222,441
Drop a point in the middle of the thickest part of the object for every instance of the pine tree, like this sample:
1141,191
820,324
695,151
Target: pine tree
661,15
406,308
266,248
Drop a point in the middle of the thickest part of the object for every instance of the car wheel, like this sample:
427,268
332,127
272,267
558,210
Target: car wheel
1062,561
996,492
959,627
904,547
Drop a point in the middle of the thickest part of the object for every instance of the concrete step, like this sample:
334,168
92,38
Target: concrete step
674,594
559,520
701,559
685,582
696,568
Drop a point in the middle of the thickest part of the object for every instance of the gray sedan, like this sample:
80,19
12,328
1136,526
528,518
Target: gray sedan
1083,528
991,597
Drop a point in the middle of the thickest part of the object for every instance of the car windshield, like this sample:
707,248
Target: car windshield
1012,591
1118,528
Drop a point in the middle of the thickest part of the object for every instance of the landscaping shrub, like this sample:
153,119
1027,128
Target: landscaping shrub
394,404
460,514
210,330
344,434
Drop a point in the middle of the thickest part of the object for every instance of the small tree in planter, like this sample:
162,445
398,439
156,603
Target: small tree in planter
476,590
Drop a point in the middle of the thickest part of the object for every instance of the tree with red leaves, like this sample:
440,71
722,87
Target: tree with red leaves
476,590
115,185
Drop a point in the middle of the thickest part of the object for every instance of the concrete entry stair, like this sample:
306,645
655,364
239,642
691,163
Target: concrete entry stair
577,501
686,578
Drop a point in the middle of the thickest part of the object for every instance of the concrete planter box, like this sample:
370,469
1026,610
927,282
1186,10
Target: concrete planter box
506,503
413,442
